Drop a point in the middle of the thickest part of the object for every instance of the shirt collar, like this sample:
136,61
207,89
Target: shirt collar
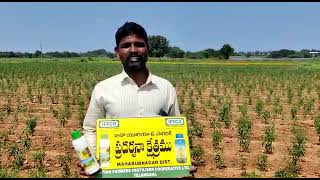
124,77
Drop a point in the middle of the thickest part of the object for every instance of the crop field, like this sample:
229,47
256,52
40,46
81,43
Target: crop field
245,118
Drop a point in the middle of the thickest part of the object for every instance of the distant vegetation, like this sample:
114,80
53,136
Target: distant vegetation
56,54
160,47
282,53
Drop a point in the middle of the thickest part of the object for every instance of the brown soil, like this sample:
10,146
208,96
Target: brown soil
56,140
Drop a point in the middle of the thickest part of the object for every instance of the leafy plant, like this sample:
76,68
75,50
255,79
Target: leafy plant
224,114
4,139
18,154
39,96
39,171
219,160
298,144
289,95
285,173
243,109
259,107
316,122
244,132
31,124
197,154
5,173
2,115
54,112
293,111
26,142
252,174
268,138
198,129
243,162
262,162
65,161
266,116
190,135
308,107
216,137
81,110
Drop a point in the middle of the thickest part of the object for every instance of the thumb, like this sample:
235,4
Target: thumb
193,162
80,165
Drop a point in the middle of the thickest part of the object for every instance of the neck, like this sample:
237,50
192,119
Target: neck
139,77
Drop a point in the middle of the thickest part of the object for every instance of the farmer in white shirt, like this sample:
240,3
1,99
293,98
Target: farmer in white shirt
135,92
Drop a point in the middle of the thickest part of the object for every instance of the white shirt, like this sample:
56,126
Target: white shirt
120,97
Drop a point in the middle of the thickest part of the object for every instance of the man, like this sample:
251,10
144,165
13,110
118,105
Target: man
135,92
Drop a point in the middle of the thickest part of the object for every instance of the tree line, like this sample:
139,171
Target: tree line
160,47
282,53
304,53
56,54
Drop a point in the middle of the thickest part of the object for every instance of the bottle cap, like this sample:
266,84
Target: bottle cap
104,136
75,134
179,135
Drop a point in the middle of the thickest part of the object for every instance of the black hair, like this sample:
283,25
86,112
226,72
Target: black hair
130,28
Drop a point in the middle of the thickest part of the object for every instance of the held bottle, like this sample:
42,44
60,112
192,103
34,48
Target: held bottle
104,149
83,151
180,147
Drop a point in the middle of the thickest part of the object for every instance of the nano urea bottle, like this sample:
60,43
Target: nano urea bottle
180,147
82,148
104,150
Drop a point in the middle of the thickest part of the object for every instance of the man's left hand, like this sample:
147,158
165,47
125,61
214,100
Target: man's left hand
193,170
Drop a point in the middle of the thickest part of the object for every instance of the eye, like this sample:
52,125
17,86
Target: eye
139,44
125,45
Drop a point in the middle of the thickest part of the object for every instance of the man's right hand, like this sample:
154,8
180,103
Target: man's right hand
84,173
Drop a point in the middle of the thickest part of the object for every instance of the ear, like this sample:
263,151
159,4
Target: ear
116,51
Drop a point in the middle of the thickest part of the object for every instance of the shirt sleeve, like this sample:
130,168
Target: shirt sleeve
95,111
174,106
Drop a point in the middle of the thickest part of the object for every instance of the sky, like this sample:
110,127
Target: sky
191,26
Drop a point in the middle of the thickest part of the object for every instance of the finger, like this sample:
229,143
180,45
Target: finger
83,173
193,169
79,165
185,177
193,162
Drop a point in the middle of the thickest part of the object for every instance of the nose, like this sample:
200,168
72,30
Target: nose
133,48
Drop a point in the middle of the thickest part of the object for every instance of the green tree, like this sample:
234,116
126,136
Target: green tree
282,53
226,51
203,54
175,52
212,52
37,54
158,46
305,53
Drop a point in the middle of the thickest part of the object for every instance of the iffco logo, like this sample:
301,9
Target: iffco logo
174,121
109,124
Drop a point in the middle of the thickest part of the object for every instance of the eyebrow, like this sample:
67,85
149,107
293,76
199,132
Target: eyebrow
135,43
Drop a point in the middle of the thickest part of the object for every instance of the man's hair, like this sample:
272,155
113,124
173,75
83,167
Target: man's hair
131,28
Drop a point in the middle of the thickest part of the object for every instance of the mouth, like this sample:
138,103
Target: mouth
135,63
135,58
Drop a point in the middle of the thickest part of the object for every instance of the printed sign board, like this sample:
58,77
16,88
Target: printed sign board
143,147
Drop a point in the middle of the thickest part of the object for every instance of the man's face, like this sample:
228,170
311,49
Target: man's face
133,53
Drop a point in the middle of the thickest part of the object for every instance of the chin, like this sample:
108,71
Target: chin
136,68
